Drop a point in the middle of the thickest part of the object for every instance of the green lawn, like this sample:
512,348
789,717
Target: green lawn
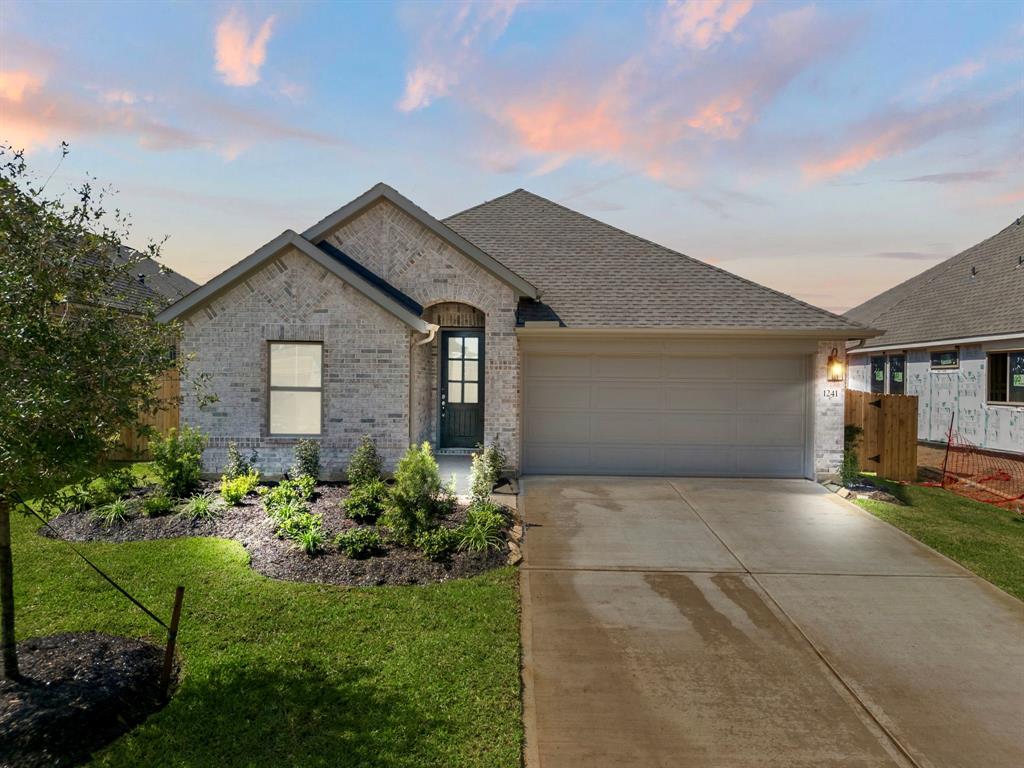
984,538
283,674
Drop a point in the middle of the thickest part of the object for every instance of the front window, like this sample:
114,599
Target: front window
897,374
1006,377
296,387
878,375
946,358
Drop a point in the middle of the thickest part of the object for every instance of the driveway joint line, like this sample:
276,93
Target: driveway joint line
814,648
741,569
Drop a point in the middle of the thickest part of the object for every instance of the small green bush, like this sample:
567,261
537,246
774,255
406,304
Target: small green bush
365,465
114,513
115,484
304,486
287,510
483,529
310,540
416,498
178,460
849,470
366,501
237,464
287,491
233,490
359,543
157,504
488,464
437,544
307,459
202,506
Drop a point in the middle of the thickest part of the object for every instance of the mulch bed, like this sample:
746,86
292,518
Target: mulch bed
80,692
278,558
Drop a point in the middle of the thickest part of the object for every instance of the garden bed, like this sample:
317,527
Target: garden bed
249,524
80,692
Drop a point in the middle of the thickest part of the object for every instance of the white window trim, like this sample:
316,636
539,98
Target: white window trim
988,371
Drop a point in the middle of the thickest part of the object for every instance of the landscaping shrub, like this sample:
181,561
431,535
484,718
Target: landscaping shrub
311,540
307,459
157,504
236,489
114,513
365,465
437,544
237,464
178,460
304,486
416,497
488,464
366,501
115,484
485,523
359,543
849,471
202,506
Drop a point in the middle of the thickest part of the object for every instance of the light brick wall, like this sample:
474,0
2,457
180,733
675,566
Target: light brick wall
413,259
365,364
829,413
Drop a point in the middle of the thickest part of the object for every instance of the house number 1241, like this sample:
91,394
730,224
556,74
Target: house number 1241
831,394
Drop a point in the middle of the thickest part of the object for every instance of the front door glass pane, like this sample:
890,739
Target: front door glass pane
454,370
472,370
455,348
469,392
454,392
472,348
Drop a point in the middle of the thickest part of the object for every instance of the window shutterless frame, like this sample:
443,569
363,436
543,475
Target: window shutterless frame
944,359
1004,384
271,388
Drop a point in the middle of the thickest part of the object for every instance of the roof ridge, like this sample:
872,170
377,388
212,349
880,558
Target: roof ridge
930,274
485,202
733,275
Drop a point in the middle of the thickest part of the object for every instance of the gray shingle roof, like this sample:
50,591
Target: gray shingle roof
947,301
592,275
148,284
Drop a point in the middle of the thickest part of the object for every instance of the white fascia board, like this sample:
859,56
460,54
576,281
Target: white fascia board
937,343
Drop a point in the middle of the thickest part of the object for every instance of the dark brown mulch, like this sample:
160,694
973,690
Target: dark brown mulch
278,558
80,692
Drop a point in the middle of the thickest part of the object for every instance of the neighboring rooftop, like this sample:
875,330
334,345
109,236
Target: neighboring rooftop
592,275
978,292
148,283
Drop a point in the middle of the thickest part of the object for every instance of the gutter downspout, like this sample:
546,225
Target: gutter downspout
431,333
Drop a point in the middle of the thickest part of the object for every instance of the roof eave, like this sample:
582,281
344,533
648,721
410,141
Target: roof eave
382,191
289,238
550,331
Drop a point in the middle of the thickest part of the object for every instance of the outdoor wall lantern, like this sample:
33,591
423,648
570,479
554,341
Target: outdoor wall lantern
836,369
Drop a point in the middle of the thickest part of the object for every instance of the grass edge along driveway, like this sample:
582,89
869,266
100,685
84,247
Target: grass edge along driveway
981,537
280,673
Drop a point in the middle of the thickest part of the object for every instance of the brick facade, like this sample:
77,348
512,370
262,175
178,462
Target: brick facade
365,364
413,259
829,413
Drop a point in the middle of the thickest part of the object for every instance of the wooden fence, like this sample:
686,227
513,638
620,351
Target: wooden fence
135,447
888,444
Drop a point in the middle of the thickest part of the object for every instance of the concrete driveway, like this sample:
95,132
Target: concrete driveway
732,623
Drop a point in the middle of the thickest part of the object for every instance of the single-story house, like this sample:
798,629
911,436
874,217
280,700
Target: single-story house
954,336
576,346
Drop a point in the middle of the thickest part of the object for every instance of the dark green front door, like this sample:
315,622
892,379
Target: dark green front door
462,389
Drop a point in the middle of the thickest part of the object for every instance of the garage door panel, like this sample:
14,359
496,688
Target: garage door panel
626,396
626,367
777,398
775,430
551,426
699,428
774,461
561,366
629,459
665,414
568,395
700,368
626,428
701,396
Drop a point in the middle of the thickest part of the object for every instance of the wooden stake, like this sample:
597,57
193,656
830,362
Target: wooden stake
172,637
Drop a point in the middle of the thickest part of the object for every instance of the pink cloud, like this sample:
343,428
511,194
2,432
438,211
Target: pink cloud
899,131
450,43
240,52
723,117
702,23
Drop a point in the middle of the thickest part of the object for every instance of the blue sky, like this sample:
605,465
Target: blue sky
825,149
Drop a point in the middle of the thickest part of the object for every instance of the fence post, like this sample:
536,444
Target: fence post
172,637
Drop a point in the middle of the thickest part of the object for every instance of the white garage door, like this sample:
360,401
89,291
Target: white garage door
665,415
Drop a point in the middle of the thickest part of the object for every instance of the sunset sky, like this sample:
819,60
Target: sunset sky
828,150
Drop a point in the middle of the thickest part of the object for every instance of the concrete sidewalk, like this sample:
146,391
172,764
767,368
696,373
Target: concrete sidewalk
755,623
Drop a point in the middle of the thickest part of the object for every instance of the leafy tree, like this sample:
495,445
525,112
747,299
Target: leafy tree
74,368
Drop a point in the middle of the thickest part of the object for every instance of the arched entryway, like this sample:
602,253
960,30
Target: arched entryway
448,379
